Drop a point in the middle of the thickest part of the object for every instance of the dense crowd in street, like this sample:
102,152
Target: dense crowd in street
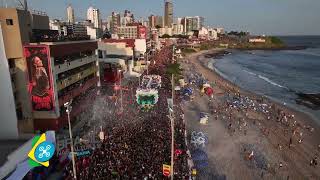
138,143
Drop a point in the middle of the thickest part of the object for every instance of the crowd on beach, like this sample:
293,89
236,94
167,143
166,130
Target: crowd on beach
138,143
240,111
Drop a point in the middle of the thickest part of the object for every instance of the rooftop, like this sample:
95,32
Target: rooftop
7,147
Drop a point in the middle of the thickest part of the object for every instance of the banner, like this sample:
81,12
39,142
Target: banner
40,81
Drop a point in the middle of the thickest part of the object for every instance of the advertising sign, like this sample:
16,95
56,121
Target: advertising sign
166,170
142,32
40,84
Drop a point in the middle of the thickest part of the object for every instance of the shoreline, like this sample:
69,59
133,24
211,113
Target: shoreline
204,63
273,48
297,159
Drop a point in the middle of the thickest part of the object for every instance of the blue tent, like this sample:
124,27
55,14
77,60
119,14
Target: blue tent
199,155
201,164
187,91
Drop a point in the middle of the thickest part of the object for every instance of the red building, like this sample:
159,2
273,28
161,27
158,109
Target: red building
57,73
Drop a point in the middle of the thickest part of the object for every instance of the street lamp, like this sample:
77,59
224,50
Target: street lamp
68,110
172,128
173,48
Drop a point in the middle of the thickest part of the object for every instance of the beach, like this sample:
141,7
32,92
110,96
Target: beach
264,140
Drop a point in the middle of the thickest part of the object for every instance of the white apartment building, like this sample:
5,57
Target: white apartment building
70,14
94,16
128,32
177,29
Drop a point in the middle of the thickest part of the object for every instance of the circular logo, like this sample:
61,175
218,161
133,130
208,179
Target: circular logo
44,151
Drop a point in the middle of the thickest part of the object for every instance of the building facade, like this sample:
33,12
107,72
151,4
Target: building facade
68,70
77,29
132,31
152,21
159,21
177,29
115,22
9,128
17,29
192,24
168,14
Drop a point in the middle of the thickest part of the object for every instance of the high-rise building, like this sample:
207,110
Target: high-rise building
115,22
127,18
70,15
152,21
192,23
168,14
94,16
159,21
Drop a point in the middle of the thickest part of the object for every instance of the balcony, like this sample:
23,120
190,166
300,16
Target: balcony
63,83
74,64
77,91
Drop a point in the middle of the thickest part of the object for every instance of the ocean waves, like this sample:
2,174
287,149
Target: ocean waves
266,79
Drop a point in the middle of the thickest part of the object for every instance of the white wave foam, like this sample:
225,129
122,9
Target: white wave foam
306,52
250,72
265,79
271,82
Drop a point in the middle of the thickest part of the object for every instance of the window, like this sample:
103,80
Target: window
9,22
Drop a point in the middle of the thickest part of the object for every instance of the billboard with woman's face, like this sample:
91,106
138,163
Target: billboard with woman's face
40,77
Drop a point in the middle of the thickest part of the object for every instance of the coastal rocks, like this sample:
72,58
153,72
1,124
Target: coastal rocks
311,101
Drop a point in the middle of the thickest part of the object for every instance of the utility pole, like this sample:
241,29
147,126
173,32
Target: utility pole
147,64
121,105
173,53
172,128
68,110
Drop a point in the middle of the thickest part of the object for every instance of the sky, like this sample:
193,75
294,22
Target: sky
270,17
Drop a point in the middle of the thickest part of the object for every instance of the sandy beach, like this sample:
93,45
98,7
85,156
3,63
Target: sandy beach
265,140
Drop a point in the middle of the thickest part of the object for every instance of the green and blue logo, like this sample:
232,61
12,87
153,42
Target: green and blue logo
41,152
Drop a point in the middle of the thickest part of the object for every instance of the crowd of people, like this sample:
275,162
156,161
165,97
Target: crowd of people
242,112
137,144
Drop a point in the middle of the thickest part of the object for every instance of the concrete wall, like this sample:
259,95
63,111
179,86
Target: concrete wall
11,33
14,36
8,117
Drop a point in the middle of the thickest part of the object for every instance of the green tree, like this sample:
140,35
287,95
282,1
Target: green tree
166,36
276,40
174,69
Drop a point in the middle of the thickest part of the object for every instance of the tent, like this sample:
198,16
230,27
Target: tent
199,155
208,91
187,91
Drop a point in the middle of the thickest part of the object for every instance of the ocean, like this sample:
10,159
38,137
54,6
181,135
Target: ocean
278,75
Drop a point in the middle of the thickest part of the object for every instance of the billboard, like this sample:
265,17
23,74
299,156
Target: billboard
40,81
142,32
